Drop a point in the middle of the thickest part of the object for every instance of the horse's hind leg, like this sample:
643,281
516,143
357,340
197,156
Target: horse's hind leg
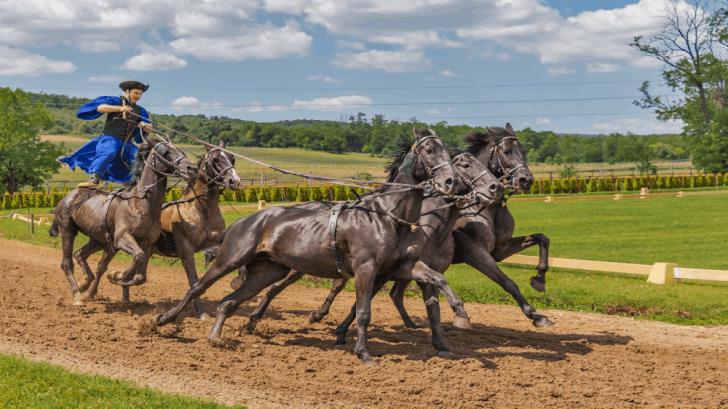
424,274
81,255
344,326
253,284
272,292
100,270
187,254
397,296
517,244
323,311
68,236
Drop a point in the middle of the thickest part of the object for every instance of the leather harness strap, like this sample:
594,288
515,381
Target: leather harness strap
341,266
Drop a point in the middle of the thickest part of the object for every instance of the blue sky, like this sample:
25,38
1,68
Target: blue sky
548,65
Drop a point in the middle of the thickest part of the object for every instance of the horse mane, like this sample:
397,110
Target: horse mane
197,176
137,166
479,140
403,147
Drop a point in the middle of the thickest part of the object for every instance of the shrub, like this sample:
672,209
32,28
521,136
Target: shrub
5,204
582,185
593,185
325,193
251,195
725,179
302,195
48,200
556,186
547,187
291,192
316,194
653,182
695,181
57,196
667,181
535,188
628,184
709,179
340,193
601,186
15,203
276,194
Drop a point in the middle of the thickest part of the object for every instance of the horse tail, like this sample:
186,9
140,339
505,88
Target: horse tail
211,252
55,229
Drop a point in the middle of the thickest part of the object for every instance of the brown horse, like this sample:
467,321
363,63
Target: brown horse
373,237
194,222
127,219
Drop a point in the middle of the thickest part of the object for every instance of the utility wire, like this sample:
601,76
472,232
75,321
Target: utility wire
362,88
538,115
362,105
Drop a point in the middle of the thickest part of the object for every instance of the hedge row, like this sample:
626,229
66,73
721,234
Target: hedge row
630,184
32,199
288,193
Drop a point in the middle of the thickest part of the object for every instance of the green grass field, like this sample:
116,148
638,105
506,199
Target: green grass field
688,231
26,384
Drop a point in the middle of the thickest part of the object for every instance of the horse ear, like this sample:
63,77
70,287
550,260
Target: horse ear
417,133
487,130
208,147
221,143
510,128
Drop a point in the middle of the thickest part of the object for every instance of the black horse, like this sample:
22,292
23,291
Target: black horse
375,236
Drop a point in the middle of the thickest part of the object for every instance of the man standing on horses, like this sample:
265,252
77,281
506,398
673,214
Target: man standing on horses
109,156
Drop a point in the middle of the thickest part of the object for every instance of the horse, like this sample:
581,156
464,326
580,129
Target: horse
481,238
372,236
127,219
438,220
194,222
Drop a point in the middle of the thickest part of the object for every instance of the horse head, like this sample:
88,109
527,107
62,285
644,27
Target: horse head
219,165
499,149
167,159
434,162
483,185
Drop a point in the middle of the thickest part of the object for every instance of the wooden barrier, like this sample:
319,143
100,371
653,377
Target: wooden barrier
658,273
42,219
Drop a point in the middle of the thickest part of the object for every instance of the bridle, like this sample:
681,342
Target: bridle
498,163
157,154
218,173
416,150
470,183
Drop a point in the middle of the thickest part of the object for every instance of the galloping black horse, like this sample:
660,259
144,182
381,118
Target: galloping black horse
374,236
128,220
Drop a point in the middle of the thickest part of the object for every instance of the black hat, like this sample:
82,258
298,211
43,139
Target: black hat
133,85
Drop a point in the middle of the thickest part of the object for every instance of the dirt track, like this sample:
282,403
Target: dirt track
586,360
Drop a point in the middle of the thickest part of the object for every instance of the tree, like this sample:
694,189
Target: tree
24,159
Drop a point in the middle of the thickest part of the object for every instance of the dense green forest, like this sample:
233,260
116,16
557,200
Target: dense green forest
376,135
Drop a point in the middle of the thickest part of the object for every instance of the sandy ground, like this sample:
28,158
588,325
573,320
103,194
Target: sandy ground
585,360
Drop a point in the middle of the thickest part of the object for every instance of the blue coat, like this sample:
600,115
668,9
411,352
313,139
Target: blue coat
103,154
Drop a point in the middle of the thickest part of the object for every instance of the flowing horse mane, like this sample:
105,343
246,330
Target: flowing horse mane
137,166
479,140
192,181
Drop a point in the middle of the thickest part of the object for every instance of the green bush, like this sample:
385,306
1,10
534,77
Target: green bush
695,181
48,200
57,196
535,188
582,185
661,184
15,203
340,193
668,182
546,187
276,194
593,185
291,192
710,179
725,179
628,184
556,186
251,195
5,203
302,195
316,194
601,186
240,195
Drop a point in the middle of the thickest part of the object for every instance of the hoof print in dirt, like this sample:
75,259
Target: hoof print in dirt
222,343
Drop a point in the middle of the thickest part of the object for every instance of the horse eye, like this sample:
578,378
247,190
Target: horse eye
467,165
428,151
216,160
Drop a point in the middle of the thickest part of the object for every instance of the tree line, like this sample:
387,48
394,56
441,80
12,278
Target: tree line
376,135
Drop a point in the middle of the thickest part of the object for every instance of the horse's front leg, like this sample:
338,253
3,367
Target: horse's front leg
186,252
275,289
396,294
517,244
127,243
424,274
431,297
106,258
364,282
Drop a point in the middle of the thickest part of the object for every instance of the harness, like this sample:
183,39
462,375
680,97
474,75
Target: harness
122,194
406,168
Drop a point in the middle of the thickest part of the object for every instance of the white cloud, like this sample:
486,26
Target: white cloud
191,103
157,61
530,26
393,62
351,44
256,107
560,71
196,22
416,40
107,78
21,62
639,126
325,79
543,121
432,112
596,68
262,43
334,104
448,73
98,46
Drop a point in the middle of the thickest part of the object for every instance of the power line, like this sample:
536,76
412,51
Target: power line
360,88
538,115
362,105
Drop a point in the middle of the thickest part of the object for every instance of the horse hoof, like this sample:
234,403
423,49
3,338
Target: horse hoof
79,303
313,318
462,322
204,316
369,363
113,276
156,319
542,322
444,354
538,284
236,283
339,346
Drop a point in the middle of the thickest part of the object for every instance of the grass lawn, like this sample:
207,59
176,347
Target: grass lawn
26,384
688,231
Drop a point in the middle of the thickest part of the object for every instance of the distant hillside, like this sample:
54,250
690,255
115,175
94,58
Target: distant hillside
375,135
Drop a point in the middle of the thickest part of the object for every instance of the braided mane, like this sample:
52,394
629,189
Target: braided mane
137,166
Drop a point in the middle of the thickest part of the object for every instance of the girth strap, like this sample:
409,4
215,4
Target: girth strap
105,212
341,266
